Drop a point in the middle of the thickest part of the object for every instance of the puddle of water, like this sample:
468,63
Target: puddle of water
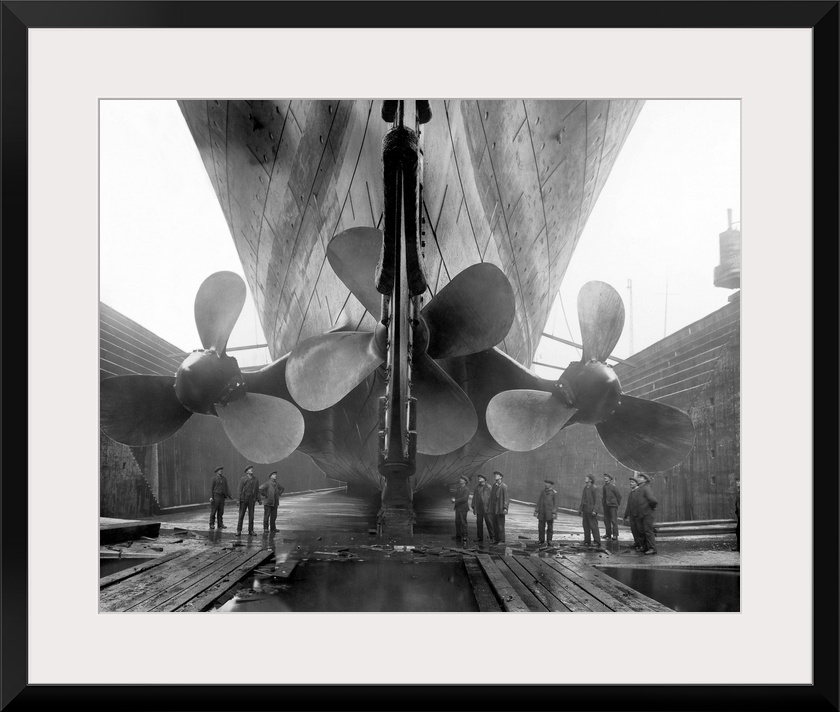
363,586
683,589
111,566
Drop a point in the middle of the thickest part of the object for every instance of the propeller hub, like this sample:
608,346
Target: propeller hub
596,390
205,379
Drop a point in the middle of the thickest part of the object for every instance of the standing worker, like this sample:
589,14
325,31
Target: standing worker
218,493
481,509
588,514
462,505
631,514
610,499
546,511
270,492
645,506
248,495
498,506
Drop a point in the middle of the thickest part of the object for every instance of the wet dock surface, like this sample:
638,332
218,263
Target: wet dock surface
326,556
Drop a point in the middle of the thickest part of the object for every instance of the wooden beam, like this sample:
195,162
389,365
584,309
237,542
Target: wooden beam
504,592
550,602
533,603
127,573
481,588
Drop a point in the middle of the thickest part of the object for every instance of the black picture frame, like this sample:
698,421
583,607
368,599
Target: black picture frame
820,16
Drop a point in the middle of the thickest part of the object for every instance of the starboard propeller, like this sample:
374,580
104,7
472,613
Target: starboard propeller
144,410
642,435
472,313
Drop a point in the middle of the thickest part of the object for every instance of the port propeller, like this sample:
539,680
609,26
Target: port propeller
143,410
642,435
472,313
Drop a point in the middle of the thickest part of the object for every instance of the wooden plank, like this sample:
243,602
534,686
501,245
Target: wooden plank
113,533
615,603
567,595
207,575
585,596
127,573
533,603
286,566
147,584
481,588
504,592
550,602
221,587
243,564
629,596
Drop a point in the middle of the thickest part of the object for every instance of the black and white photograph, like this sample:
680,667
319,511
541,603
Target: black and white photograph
420,355
362,319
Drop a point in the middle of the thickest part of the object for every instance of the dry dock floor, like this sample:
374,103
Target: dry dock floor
189,567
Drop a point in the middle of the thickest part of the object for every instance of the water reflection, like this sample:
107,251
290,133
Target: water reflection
363,586
684,589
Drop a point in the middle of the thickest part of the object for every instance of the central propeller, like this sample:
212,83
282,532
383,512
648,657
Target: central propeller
472,313
642,435
144,410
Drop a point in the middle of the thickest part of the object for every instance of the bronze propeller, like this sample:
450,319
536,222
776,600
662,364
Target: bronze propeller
472,313
144,410
642,435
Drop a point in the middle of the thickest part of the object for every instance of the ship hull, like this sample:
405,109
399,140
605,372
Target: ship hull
507,182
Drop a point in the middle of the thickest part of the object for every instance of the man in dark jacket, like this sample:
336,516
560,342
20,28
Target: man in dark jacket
218,493
462,505
498,507
645,506
248,495
610,499
588,503
546,511
481,509
631,515
270,492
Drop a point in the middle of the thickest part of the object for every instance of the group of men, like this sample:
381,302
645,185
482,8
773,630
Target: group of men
251,492
489,505
639,511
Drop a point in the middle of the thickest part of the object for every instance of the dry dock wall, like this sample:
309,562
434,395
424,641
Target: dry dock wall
140,481
697,369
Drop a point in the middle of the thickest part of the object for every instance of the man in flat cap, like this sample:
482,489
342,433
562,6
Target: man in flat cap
546,511
270,492
610,499
462,505
498,506
645,506
248,496
481,509
219,492
588,514
631,514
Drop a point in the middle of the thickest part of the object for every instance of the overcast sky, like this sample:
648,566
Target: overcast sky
655,223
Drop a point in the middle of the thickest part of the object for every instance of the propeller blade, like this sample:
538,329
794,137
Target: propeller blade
322,370
522,419
472,313
647,436
140,410
353,255
218,304
263,428
601,316
446,418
